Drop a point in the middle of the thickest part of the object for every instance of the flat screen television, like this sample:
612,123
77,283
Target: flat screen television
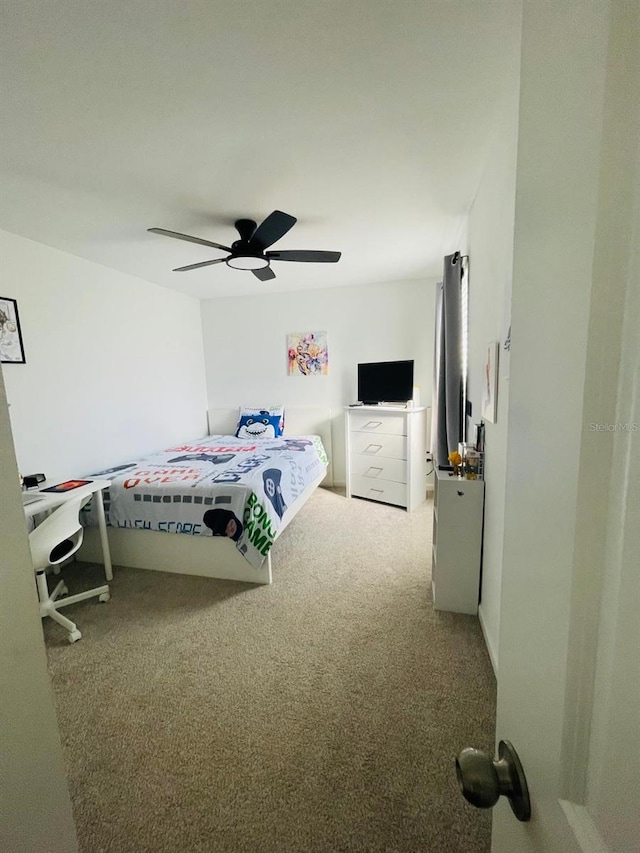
385,382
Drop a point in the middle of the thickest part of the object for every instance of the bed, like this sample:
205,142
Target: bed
214,506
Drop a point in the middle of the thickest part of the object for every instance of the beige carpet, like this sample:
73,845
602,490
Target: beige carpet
322,713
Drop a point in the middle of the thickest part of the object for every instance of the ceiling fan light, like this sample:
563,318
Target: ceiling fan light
247,262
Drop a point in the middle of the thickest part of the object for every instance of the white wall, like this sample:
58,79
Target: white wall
245,343
114,365
490,249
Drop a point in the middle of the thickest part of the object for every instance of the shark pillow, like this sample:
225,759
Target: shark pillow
260,422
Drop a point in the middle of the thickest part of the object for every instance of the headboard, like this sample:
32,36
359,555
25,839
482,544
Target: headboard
311,420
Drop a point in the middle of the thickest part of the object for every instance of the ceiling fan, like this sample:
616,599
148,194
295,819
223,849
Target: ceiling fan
248,253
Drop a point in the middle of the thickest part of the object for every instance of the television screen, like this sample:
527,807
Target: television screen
385,382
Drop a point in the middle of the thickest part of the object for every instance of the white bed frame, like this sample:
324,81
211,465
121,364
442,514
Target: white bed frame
210,556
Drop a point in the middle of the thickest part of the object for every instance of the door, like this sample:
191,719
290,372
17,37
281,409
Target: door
568,685
35,807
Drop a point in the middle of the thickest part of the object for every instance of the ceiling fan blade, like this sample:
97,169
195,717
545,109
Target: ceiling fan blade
197,266
305,256
264,274
273,228
189,239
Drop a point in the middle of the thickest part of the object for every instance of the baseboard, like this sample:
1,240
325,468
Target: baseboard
493,652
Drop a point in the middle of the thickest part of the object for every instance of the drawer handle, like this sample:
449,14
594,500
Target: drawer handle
372,425
376,491
369,446
373,472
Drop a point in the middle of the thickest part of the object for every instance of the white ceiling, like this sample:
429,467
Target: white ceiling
368,120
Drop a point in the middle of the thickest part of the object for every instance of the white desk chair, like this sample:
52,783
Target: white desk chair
56,538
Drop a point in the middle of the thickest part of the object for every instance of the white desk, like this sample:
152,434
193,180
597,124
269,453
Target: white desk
47,501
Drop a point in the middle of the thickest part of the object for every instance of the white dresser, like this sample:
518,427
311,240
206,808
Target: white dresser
386,454
458,511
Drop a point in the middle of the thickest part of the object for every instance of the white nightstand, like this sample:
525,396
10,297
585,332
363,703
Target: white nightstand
458,512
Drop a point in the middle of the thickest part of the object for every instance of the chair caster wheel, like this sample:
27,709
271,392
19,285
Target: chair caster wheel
74,636
104,597
56,570
63,591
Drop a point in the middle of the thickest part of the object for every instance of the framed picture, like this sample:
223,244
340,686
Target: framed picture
307,354
11,347
490,383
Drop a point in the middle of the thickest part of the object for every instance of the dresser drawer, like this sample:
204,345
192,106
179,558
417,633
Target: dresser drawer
383,468
393,446
379,490
389,424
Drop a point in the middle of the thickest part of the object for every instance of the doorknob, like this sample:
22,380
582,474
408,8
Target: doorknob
483,780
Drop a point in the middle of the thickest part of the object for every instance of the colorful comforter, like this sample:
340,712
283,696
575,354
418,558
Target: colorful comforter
216,486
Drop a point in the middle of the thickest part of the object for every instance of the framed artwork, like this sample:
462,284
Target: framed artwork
490,383
307,354
11,347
